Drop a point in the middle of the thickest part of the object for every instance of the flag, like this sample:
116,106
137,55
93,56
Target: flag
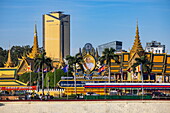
101,69
91,74
53,70
121,70
29,68
38,70
129,70
139,68
129,76
65,69
45,70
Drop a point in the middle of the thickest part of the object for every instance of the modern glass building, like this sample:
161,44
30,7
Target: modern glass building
117,45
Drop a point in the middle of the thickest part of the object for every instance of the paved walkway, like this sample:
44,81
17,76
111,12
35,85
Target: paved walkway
86,107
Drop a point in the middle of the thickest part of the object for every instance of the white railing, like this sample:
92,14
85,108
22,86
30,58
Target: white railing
60,90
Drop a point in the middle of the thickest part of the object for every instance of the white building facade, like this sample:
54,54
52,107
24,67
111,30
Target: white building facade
155,47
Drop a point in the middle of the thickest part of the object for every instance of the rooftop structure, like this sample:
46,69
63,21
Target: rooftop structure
155,47
35,49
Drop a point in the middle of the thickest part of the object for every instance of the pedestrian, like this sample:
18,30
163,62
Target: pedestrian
29,96
40,97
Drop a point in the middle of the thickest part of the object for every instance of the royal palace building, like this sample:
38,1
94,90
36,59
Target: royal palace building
122,77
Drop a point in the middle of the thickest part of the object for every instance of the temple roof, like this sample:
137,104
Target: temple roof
35,49
9,62
137,47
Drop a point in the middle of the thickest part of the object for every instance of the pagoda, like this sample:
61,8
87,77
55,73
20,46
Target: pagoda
35,49
9,62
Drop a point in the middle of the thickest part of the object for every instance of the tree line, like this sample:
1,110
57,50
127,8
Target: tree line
16,52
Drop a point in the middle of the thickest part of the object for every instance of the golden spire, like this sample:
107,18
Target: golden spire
137,47
35,49
96,54
9,62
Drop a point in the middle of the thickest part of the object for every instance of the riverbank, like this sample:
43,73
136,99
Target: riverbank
144,106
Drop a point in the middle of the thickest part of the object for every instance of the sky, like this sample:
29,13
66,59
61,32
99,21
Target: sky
92,21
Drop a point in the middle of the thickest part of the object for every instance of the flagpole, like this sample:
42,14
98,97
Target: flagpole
38,78
30,74
54,78
48,83
30,78
67,84
75,80
121,70
42,81
142,80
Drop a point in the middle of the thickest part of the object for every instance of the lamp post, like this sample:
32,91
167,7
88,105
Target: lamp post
42,81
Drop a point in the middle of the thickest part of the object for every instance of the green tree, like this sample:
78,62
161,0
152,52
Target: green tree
18,52
146,64
26,78
108,55
49,78
40,62
3,57
73,60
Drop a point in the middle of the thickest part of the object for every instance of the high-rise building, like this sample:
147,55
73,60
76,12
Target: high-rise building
117,45
155,47
56,35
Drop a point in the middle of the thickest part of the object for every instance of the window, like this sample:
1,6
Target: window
155,51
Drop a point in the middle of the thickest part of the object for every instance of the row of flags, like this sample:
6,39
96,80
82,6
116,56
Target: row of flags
38,70
28,69
101,69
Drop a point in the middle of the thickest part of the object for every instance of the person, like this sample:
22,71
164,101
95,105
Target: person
88,65
29,96
40,96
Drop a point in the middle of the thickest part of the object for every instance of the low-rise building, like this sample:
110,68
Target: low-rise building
155,47
117,45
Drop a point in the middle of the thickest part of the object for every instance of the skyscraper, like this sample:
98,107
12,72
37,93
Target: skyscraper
56,35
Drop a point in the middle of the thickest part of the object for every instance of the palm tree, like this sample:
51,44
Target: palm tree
108,55
146,66
72,61
39,63
145,63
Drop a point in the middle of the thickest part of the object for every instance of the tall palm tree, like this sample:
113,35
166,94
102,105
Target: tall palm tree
72,61
146,66
108,55
40,62
145,63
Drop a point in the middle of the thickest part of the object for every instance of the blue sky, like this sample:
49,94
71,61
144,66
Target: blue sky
93,21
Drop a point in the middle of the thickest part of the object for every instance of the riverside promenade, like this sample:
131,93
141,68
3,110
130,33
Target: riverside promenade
115,106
